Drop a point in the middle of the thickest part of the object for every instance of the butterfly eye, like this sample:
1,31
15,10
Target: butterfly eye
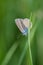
23,25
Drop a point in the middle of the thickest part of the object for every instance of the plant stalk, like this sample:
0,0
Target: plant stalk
30,54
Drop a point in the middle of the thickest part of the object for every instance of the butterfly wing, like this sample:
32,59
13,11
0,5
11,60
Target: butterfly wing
23,25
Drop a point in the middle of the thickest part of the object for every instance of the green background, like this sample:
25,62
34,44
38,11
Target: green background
12,42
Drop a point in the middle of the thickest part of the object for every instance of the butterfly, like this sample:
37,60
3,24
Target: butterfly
23,25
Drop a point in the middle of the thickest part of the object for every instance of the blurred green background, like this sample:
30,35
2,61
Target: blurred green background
12,42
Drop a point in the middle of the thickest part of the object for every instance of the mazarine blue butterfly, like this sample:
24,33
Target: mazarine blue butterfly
23,25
